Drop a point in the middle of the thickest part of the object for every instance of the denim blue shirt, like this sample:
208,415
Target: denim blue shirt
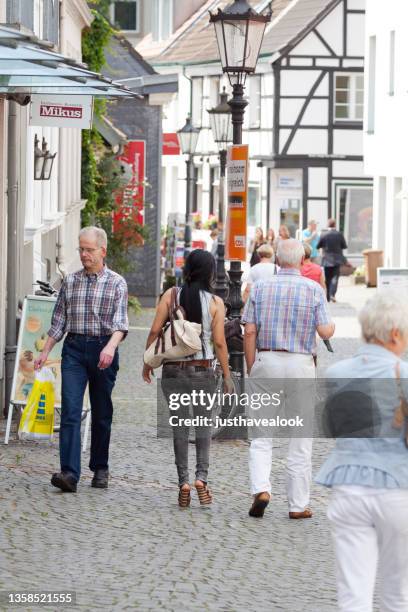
380,462
313,243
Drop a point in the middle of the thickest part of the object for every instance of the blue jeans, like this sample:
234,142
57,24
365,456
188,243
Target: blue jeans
80,358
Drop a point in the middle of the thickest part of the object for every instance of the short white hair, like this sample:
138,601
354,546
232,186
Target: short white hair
290,252
99,234
385,311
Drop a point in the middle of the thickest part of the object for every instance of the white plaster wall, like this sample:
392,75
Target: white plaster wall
309,142
317,182
385,149
348,142
3,211
331,28
3,225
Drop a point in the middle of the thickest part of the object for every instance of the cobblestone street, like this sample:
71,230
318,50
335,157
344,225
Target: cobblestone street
131,548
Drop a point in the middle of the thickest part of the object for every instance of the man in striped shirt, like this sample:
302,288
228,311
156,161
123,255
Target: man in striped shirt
92,310
281,319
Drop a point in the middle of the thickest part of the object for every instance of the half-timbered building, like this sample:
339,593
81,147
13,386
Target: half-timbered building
316,51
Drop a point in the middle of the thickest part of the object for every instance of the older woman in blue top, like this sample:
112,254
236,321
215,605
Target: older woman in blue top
368,510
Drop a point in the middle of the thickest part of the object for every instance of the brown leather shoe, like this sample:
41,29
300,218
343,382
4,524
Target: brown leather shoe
307,513
261,500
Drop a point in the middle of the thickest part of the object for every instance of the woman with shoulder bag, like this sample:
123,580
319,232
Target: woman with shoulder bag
195,372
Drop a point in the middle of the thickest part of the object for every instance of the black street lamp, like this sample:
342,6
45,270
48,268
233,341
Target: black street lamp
239,31
188,137
221,127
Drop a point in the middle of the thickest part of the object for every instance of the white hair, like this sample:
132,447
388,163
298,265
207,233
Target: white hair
99,234
385,311
290,253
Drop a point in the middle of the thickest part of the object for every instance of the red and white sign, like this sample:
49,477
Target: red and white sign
130,199
171,144
237,180
61,111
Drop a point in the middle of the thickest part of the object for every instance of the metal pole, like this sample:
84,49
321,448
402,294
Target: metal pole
238,105
12,250
187,227
221,285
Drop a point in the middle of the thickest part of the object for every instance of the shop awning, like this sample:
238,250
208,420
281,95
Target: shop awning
26,67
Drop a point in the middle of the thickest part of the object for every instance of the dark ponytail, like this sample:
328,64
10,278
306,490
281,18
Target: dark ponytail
199,273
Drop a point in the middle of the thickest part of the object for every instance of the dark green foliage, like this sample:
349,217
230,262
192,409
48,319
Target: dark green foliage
101,175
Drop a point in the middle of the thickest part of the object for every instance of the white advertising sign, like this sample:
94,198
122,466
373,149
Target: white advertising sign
392,278
236,175
61,111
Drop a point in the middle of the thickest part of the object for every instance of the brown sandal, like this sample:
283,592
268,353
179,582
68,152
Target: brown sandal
307,513
204,494
184,497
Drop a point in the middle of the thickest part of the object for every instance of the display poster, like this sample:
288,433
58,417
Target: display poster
34,325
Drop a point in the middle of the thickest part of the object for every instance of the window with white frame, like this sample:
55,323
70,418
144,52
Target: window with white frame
162,18
392,64
254,114
354,204
254,206
197,112
125,15
372,52
349,97
39,18
214,92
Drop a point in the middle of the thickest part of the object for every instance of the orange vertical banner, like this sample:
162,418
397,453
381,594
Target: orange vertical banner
237,180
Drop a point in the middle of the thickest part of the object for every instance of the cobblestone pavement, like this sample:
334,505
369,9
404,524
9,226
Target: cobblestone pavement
131,548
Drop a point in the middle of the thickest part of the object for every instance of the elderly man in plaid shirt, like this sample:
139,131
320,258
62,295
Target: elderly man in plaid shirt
281,319
92,309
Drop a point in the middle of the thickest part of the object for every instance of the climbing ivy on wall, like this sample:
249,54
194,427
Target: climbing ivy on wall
101,176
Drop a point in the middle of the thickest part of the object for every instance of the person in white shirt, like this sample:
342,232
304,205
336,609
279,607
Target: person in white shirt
263,270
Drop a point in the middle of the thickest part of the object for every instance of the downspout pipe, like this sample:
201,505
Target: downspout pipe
60,256
12,249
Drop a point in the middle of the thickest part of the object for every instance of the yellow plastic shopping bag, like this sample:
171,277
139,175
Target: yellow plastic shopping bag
37,420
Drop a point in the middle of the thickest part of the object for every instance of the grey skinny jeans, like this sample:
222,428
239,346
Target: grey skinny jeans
186,380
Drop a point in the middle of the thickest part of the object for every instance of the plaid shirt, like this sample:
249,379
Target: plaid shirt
286,310
90,304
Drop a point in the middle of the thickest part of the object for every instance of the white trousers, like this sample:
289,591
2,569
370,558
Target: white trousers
269,365
370,532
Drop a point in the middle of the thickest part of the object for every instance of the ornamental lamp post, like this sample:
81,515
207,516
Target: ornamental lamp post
188,137
221,127
239,31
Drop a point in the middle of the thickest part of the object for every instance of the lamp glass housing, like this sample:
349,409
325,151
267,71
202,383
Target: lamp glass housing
188,137
220,122
239,31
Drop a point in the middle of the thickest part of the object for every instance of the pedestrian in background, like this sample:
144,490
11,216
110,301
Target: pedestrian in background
311,237
254,246
368,509
196,372
264,270
92,309
214,237
312,270
270,237
281,319
283,234
332,243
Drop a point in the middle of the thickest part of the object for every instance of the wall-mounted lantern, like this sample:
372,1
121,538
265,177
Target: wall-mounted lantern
43,160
